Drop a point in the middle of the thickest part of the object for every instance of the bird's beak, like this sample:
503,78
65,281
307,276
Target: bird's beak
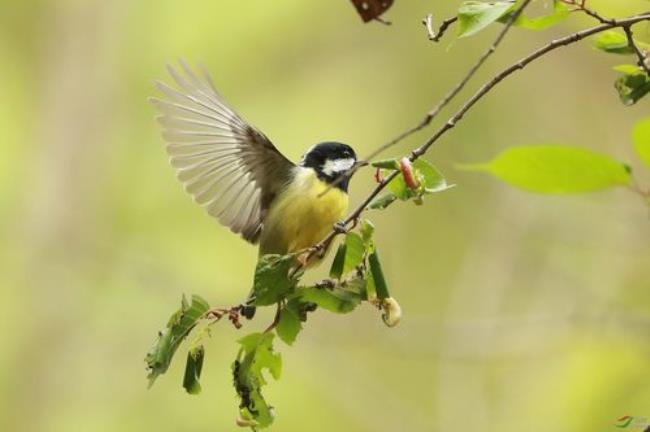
361,163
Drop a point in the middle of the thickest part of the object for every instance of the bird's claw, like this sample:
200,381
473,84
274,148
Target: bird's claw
340,227
303,258
327,284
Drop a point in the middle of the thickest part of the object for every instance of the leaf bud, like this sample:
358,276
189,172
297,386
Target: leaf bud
407,173
392,312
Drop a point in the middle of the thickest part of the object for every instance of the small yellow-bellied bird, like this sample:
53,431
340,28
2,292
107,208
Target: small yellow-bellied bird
240,178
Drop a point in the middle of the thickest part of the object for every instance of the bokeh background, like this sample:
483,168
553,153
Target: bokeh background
521,312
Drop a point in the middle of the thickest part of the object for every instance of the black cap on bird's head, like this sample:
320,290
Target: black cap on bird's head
330,160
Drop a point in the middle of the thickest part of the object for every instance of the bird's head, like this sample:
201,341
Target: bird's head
331,160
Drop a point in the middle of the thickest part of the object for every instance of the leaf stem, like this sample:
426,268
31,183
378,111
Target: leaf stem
276,318
633,45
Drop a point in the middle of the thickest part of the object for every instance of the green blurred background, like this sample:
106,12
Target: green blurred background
521,312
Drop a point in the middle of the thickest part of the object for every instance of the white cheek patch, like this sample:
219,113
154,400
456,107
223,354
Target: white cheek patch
337,166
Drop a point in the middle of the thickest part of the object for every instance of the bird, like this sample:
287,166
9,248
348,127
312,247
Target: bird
239,176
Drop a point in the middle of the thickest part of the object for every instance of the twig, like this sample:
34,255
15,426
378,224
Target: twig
632,44
276,319
433,35
644,194
581,7
459,87
485,89
232,312
448,97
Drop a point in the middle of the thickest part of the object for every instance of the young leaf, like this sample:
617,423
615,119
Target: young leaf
379,282
627,69
193,368
272,281
555,169
641,140
612,42
632,87
432,178
367,230
474,16
398,188
336,300
382,202
255,356
425,179
290,323
179,325
559,14
336,271
390,164
370,288
354,251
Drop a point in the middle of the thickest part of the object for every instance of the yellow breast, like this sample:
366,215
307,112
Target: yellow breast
302,215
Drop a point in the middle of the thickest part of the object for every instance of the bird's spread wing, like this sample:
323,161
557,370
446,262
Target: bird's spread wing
225,164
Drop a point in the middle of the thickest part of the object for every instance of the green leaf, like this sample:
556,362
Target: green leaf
259,355
613,42
370,288
336,300
357,285
290,323
348,256
429,178
193,368
336,271
433,179
390,164
272,281
255,356
178,327
354,252
559,14
382,202
474,16
367,230
641,140
627,69
378,280
399,189
555,169
632,87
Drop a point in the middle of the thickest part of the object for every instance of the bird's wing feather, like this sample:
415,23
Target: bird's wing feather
225,164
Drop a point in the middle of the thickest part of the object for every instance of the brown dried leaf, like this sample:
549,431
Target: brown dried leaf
371,9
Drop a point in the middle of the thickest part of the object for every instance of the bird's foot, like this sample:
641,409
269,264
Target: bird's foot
327,284
304,257
340,227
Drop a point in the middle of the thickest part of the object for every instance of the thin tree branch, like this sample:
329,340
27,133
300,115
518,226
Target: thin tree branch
581,7
276,318
459,87
433,35
484,90
640,55
448,97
